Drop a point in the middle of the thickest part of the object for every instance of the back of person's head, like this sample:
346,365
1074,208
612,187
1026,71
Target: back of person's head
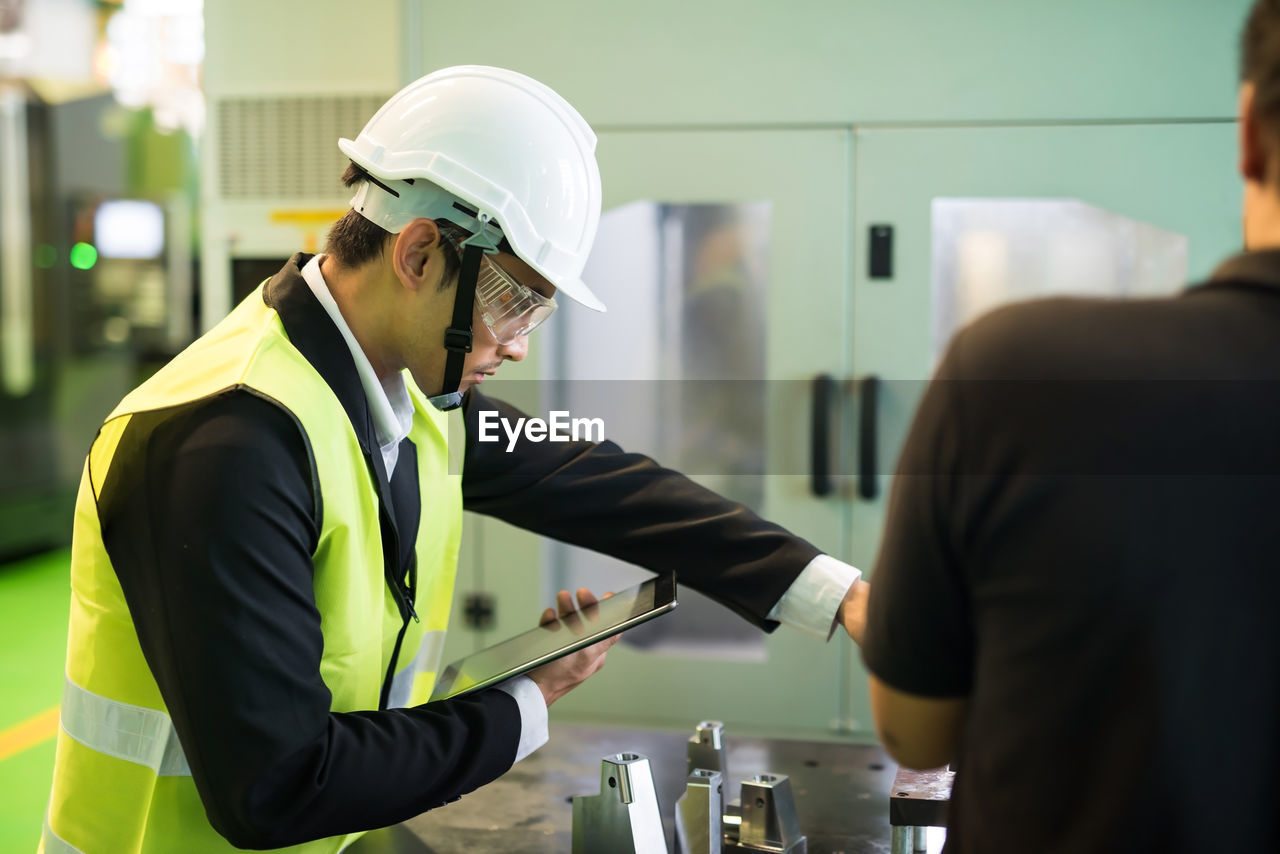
1260,66
354,241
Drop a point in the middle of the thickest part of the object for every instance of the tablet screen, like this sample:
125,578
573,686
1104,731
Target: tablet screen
559,637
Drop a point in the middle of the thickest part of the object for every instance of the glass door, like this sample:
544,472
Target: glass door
721,258
978,216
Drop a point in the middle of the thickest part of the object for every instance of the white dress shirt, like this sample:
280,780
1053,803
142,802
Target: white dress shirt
809,605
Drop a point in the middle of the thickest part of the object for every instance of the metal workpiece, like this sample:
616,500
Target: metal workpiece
920,799
765,819
698,813
624,818
909,840
706,749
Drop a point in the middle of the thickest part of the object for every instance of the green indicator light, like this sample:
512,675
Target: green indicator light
46,256
83,256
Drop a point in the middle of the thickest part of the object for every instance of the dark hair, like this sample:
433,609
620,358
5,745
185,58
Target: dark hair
1260,64
355,241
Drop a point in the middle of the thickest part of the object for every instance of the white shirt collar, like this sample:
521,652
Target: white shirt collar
389,403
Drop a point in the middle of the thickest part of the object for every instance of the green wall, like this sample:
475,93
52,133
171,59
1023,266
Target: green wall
715,62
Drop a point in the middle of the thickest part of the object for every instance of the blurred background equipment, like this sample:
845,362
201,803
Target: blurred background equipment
97,198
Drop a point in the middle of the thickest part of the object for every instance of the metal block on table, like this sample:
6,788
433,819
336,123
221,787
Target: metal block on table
920,799
624,817
765,819
699,813
706,749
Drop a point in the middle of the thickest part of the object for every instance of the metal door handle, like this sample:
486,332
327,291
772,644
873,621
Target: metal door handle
868,410
824,404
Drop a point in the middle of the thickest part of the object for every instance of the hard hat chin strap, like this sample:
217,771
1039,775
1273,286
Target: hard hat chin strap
457,338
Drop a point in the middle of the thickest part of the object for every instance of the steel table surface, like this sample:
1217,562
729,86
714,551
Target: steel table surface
841,791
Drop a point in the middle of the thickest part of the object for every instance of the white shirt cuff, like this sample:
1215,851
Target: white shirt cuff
812,602
533,714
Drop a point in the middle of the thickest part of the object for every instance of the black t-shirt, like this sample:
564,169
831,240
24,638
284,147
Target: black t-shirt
1084,541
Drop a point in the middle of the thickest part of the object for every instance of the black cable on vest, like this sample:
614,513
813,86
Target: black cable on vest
457,338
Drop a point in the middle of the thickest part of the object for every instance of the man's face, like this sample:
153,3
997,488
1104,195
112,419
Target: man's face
487,352
1258,169
487,355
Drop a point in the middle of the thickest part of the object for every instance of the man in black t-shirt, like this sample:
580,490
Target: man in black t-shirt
1075,596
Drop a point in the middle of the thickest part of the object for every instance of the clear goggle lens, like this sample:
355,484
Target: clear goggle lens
510,310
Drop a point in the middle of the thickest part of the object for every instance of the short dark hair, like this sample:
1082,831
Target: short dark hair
355,241
1260,64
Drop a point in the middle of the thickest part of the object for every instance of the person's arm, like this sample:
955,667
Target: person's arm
544,685
919,641
852,614
919,732
828,594
210,520
627,506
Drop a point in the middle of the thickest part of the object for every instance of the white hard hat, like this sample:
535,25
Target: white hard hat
493,146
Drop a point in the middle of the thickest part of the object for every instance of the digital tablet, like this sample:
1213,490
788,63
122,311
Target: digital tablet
559,637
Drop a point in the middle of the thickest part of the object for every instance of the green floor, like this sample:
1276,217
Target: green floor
33,640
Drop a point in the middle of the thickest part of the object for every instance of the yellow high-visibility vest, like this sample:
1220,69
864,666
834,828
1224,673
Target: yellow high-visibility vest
121,782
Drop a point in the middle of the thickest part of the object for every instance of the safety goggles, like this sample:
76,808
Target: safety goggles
508,308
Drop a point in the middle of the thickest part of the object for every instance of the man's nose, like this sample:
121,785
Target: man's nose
516,350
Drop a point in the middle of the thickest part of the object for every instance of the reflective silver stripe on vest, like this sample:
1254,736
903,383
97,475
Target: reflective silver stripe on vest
135,733
52,843
427,660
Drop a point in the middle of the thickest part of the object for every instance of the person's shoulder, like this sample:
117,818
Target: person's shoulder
236,418
1077,337
225,446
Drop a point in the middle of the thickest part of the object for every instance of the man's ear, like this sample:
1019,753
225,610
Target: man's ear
1254,151
410,256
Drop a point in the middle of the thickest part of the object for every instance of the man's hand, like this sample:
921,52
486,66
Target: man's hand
852,613
561,676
